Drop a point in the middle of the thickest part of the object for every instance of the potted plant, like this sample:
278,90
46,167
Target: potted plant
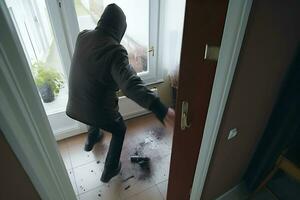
48,80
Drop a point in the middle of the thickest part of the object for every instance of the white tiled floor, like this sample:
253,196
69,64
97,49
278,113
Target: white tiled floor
163,186
63,146
85,168
150,194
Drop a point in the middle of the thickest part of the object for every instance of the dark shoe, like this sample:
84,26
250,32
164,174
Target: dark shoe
110,173
92,140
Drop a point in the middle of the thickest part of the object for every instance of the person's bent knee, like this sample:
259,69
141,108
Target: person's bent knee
122,130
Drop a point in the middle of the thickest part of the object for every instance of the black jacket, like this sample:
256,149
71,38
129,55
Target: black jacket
99,68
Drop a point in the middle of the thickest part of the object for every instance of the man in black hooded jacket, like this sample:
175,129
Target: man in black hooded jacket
99,68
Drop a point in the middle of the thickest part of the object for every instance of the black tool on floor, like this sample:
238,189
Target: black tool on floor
139,159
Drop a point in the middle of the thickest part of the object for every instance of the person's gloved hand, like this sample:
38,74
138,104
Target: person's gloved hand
169,119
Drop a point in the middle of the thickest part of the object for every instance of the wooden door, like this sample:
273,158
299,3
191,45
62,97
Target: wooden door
204,23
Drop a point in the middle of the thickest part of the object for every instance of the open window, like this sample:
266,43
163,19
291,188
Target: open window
140,38
48,29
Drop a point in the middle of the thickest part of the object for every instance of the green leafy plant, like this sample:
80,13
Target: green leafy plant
47,75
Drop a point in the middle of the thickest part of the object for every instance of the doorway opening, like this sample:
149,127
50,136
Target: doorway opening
47,46
57,184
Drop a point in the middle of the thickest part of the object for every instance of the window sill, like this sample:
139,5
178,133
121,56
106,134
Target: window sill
149,85
159,81
60,102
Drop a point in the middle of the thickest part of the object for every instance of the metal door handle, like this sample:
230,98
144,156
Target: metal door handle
184,115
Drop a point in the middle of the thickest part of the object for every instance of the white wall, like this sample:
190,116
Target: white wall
170,36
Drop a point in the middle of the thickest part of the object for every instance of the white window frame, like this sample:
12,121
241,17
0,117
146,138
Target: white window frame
154,74
61,124
64,24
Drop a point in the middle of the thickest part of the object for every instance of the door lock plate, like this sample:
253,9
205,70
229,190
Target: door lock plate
211,52
184,115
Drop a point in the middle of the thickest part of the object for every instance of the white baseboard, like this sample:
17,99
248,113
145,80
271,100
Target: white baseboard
63,134
129,109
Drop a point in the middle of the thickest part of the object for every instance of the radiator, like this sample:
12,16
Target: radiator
63,126
130,109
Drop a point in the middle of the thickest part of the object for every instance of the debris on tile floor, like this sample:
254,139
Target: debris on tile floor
130,177
82,188
126,188
158,132
148,149
139,159
145,170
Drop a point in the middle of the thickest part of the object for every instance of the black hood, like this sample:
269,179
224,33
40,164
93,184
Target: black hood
113,22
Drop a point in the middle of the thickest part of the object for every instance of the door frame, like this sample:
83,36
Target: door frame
37,149
23,119
234,30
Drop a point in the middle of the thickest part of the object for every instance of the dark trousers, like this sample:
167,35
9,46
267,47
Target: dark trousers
117,128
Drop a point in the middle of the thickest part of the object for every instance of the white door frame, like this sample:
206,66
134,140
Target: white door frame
233,34
27,130
23,120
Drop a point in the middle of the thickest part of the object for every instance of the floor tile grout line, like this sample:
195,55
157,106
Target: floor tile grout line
72,168
151,185
90,190
84,163
75,182
163,181
94,188
161,194
140,191
89,162
100,160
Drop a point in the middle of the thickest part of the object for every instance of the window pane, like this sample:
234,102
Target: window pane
136,38
33,26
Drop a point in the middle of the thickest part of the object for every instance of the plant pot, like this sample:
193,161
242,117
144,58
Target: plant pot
46,93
